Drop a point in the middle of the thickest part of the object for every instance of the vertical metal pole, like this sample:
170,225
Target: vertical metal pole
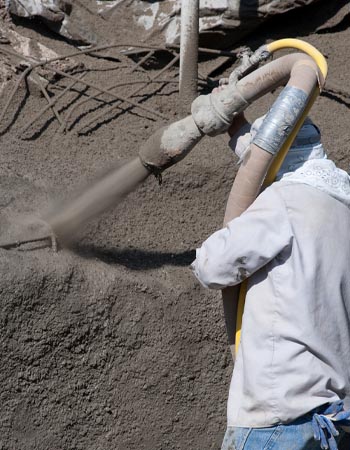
189,52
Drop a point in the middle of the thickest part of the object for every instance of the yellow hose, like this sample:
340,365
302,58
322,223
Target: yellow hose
305,47
275,166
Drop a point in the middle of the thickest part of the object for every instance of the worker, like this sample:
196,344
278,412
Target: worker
290,388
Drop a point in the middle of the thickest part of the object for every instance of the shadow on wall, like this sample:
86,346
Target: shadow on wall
248,8
258,20
254,24
320,17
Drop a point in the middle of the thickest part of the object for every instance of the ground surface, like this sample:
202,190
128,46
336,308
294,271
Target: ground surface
114,345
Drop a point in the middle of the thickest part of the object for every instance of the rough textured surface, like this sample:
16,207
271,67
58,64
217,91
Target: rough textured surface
114,345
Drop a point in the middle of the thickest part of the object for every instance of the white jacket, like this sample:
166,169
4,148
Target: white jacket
293,244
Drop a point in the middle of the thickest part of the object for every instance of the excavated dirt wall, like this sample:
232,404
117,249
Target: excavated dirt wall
113,344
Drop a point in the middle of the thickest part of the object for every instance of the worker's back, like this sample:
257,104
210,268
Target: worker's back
292,375
295,348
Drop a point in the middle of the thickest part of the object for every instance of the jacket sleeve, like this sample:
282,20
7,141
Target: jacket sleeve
246,244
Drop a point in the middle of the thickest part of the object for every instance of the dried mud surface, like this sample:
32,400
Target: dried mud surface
113,345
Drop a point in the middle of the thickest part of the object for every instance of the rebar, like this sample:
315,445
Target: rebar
111,87
142,60
90,11
91,85
104,91
50,105
100,48
46,95
13,93
209,51
136,91
34,64
335,89
14,244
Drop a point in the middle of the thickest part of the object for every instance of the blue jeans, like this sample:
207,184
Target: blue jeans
297,435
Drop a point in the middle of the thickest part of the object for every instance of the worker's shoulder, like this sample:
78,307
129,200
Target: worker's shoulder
271,197
297,195
280,190
287,194
295,190
293,196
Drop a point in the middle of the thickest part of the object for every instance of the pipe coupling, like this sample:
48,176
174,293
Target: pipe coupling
169,145
214,113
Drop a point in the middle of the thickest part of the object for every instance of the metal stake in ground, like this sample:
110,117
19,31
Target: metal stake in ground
189,52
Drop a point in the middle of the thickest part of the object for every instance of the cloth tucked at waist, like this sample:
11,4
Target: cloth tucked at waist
324,422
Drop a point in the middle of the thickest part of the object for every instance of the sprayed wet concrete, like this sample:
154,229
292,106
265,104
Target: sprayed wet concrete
113,345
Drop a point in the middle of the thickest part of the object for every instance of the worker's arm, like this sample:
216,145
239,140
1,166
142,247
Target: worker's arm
246,244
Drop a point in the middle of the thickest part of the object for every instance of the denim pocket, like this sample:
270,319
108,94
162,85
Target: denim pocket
235,438
274,437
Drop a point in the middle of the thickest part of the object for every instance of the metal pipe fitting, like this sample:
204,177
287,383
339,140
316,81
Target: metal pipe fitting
170,144
214,113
